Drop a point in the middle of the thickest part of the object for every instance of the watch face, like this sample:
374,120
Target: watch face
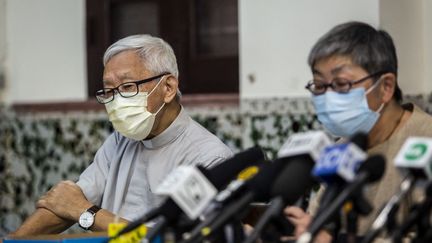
86,220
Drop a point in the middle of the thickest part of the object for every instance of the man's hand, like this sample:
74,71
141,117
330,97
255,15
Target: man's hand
66,200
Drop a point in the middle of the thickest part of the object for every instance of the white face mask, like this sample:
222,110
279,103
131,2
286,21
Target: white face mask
130,116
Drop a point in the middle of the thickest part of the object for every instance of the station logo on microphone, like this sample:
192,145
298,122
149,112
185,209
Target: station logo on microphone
416,154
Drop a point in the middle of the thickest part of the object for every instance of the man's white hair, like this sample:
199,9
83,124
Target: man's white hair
156,54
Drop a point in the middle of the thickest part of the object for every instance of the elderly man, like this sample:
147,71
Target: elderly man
153,134
354,89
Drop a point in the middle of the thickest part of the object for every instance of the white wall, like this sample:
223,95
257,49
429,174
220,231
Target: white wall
2,46
42,44
276,36
45,50
427,27
409,23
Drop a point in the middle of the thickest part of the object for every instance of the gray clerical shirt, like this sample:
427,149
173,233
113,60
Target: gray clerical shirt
125,172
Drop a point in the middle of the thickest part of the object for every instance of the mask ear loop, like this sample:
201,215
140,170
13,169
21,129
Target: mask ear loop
160,81
372,88
163,104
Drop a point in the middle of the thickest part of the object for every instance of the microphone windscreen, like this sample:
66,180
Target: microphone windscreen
261,183
361,140
294,180
222,174
428,190
374,166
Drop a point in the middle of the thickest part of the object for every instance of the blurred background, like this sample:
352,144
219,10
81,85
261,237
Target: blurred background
242,72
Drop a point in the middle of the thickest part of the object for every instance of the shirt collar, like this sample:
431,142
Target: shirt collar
174,130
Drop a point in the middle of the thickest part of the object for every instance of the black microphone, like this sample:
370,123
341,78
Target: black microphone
255,188
294,180
300,151
370,171
300,147
269,181
219,175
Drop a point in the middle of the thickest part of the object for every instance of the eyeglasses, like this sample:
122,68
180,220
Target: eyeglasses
339,85
126,90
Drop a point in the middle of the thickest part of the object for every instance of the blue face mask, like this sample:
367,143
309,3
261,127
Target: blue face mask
345,114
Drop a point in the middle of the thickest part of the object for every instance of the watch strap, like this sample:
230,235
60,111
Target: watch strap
93,209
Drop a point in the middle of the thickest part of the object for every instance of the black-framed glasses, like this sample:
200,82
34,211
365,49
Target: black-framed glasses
126,90
339,85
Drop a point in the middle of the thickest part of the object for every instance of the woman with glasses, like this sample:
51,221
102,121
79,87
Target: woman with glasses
355,90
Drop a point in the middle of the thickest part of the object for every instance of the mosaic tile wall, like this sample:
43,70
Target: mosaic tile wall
38,150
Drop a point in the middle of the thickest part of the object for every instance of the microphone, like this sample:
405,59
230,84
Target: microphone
340,162
370,171
296,158
415,160
415,216
219,175
416,157
389,210
338,165
307,145
259,187
303,150
290,185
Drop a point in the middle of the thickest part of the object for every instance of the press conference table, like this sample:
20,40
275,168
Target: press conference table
81,237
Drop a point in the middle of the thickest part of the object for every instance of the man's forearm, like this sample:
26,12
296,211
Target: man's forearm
103,218
42,221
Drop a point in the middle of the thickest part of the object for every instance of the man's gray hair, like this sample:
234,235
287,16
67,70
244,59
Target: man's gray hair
371,49
156,54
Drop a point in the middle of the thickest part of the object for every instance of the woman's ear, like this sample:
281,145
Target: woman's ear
388,87
171,86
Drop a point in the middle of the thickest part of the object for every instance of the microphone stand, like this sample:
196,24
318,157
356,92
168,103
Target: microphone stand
275,208
351,217
419,215
358,205
154,231
386,218
214,223
333,208
234,232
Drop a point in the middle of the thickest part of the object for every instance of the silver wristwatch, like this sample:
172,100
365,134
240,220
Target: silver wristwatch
87,218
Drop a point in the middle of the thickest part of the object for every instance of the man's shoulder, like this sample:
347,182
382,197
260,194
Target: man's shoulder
203,144
197,132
